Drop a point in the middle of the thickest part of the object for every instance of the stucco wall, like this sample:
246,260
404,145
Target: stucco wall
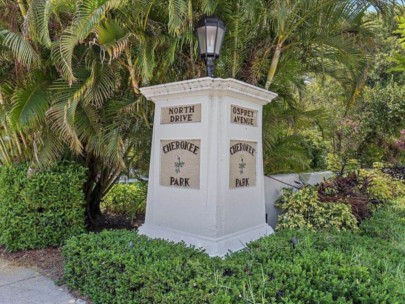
274,184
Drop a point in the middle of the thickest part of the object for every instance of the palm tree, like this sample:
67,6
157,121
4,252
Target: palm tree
72,100
77,67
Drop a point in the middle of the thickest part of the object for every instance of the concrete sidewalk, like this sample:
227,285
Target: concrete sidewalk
19,285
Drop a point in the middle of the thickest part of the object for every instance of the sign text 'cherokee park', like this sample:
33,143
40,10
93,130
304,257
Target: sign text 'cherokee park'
243,116
181,114
242,164
180,163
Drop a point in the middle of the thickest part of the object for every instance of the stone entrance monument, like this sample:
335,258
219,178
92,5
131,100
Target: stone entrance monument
206,172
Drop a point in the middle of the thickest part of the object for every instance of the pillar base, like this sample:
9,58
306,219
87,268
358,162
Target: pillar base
212,246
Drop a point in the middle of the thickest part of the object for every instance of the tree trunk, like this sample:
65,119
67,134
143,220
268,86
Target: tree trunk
235,43
4,152
191,28
99,179
22,7
92,206
93,203
132,75
274,64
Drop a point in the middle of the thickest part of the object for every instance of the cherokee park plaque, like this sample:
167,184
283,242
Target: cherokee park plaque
181,114
180,163
242,164
243,116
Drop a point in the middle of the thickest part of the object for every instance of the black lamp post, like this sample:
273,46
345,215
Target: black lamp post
210,33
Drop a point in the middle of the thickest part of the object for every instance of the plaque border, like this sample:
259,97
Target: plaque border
229,175
242,124
178,123
160,163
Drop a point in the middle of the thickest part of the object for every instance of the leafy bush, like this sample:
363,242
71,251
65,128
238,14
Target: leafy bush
350,188
41,210
329,205
383,186
117,267
126,198
338,165
303,209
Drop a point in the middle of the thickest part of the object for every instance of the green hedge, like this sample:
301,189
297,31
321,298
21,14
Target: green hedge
126,198
324,267
41,210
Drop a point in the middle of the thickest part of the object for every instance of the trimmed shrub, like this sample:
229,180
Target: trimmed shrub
126,198
41,210
109,269
121,267
302,209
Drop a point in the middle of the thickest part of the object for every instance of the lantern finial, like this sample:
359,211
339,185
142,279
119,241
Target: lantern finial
210,33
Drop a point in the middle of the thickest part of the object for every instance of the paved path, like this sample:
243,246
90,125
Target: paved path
19,285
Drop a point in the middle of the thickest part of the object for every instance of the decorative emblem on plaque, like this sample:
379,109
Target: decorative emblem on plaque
242,165
181,114
242,158
243,116
180,163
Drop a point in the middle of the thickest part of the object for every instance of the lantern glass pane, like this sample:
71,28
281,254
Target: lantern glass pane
220,37
201,33
211,37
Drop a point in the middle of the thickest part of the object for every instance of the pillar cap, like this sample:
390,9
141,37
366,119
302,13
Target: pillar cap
208,85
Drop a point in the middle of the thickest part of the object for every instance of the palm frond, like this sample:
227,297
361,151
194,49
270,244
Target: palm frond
99,86
38,21
62,113
50,148
30,104
177,15
112,38
286,153
88,15
20,48
62,54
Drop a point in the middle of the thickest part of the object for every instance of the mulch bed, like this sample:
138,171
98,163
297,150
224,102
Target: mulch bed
47,261
117,221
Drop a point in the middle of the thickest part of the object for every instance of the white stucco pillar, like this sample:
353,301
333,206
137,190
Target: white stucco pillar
206,184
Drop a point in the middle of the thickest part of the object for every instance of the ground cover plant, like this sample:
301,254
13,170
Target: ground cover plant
320,267
43,209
